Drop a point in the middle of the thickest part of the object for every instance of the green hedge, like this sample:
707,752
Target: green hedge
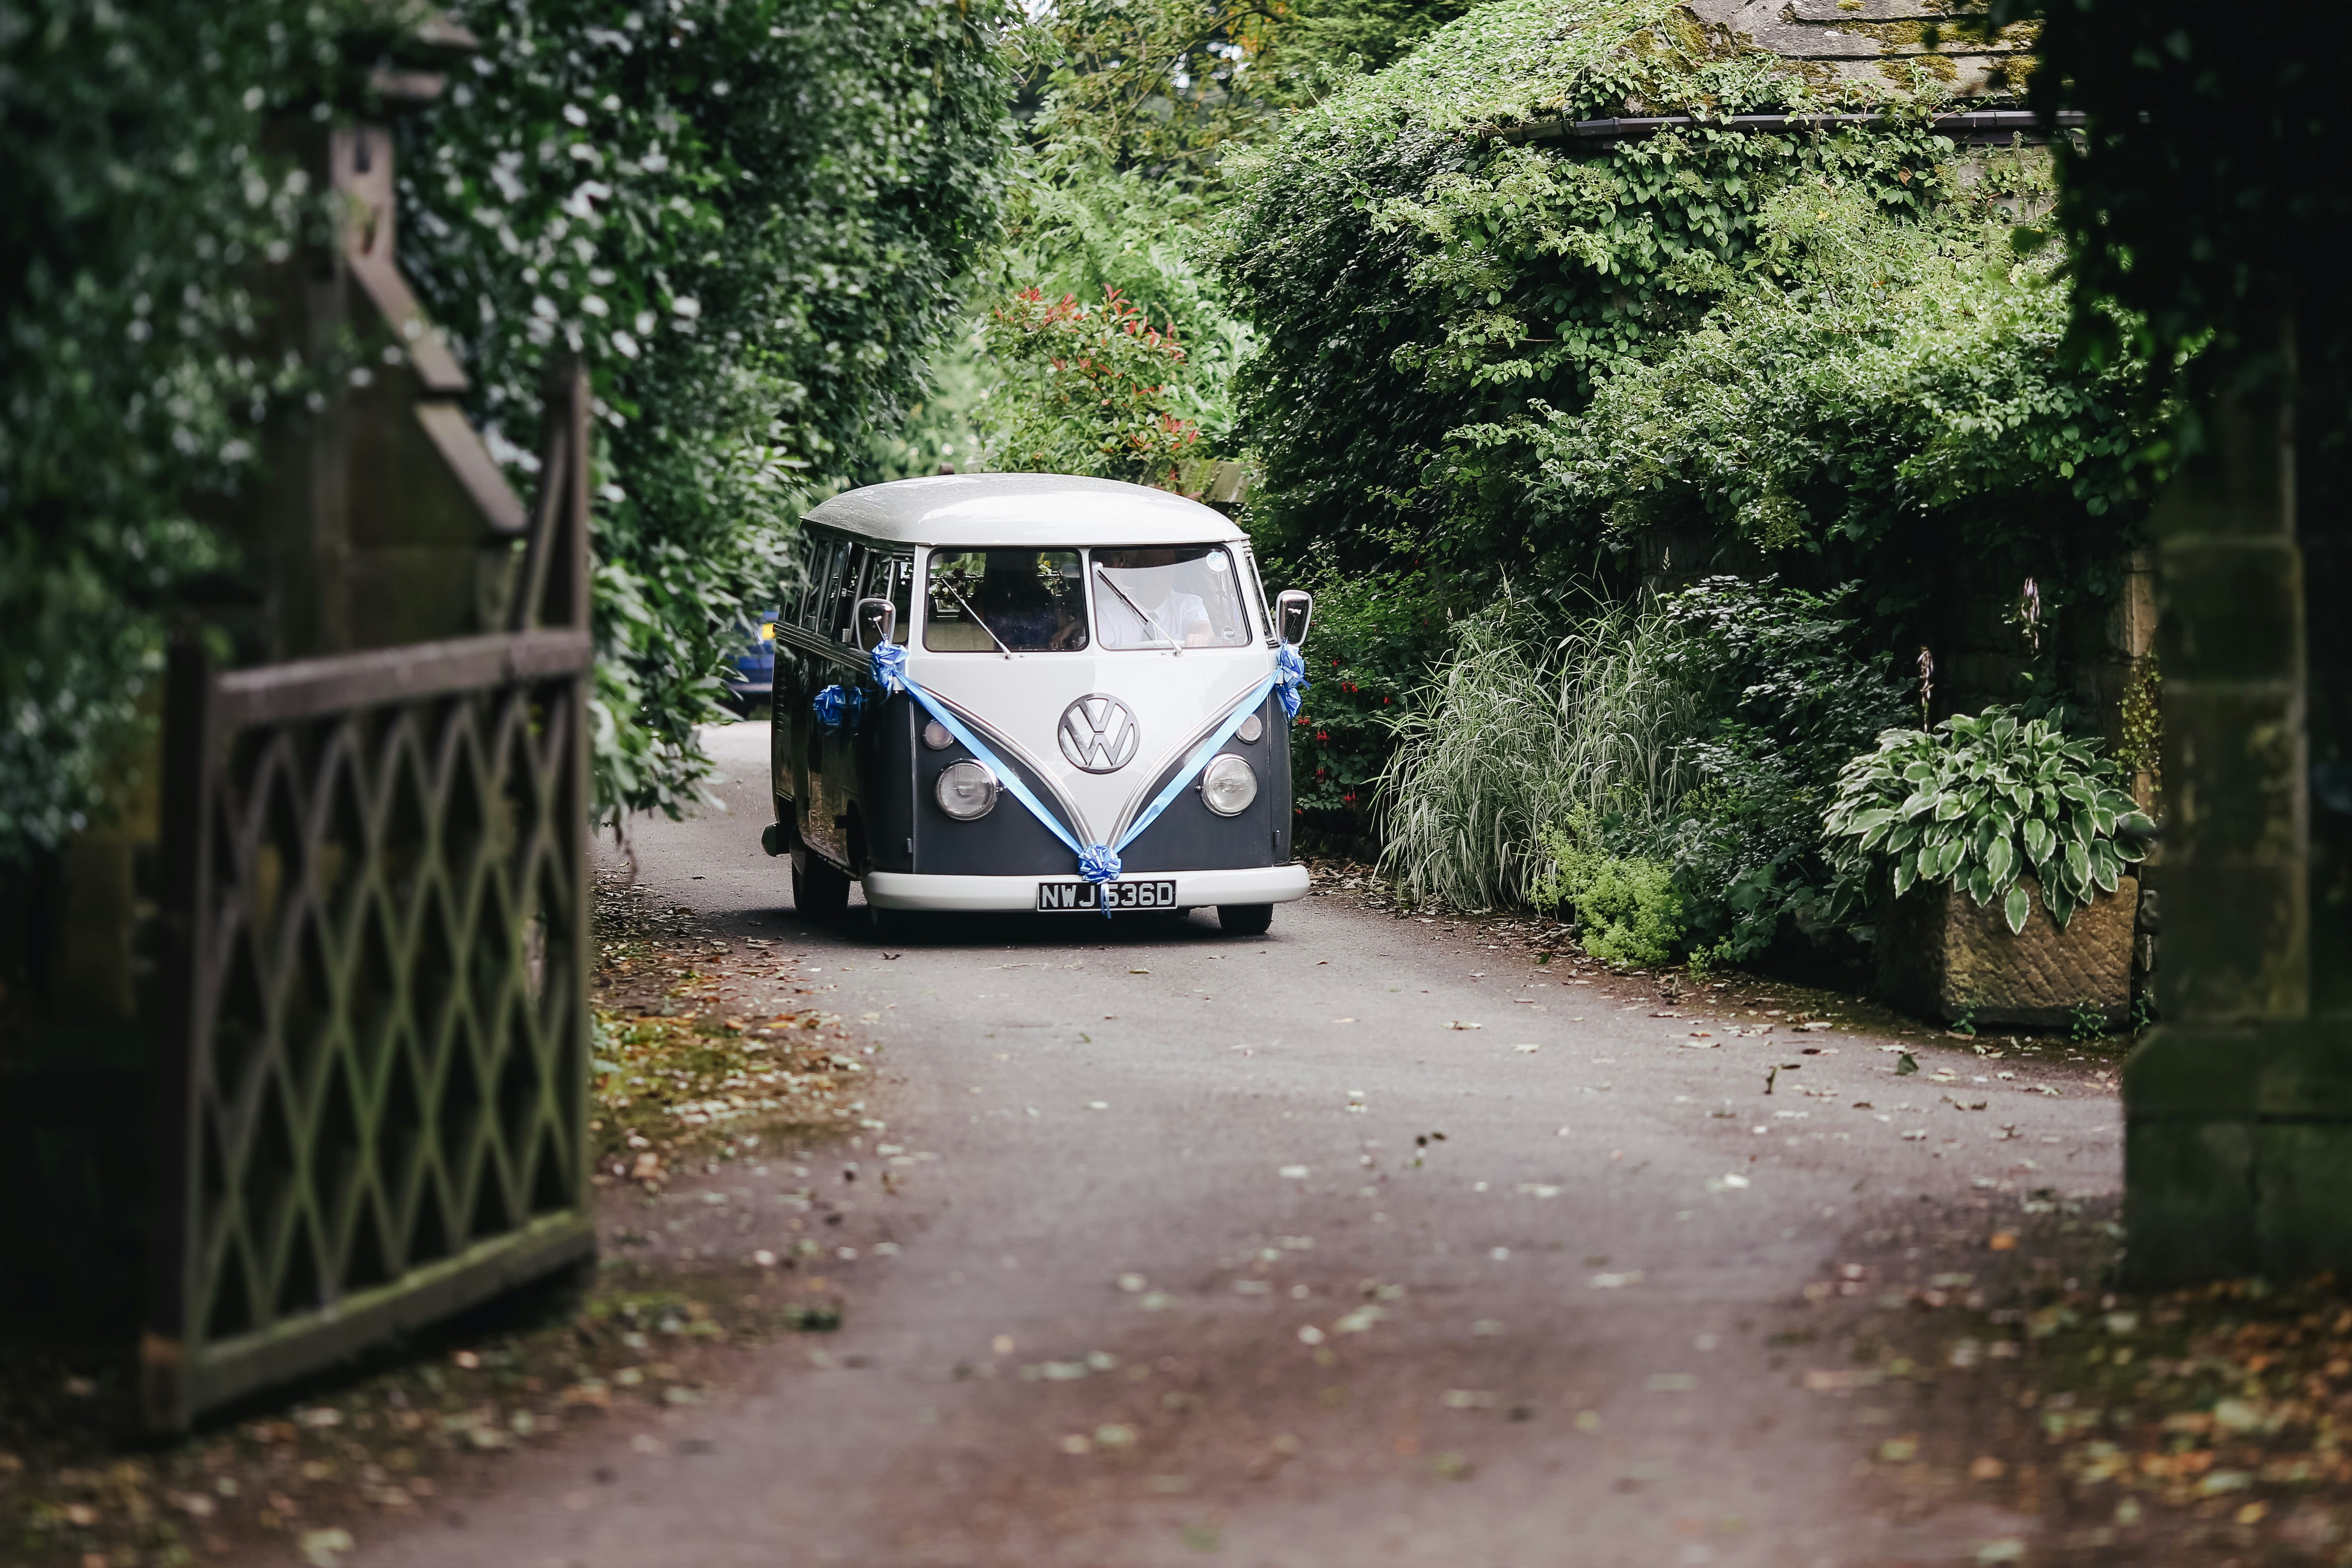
751,217
138,201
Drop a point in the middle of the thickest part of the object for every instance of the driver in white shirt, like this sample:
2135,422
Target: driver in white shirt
1176,616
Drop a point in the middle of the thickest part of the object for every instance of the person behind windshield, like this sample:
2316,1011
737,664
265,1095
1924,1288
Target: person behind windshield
1148,578
1016,604
1018,607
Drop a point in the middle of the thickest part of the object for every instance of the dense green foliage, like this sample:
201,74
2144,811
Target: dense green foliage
1374,642
1626,908
1173,86
2208,191
1789,693
1822,361
1412,273
1981,803
1487,354
751,217
1906,372
138,200
1687,749
1132,109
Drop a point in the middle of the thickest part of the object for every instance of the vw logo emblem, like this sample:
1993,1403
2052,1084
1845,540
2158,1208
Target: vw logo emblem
1098,734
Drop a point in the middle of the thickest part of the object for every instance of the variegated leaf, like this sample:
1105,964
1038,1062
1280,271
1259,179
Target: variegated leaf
2016,907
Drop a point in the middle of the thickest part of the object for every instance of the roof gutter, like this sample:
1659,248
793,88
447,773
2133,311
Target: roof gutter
1979,126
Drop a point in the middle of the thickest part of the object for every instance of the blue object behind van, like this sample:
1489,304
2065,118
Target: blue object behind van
754,681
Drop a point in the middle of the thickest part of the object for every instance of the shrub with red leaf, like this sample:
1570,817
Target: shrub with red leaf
1088,389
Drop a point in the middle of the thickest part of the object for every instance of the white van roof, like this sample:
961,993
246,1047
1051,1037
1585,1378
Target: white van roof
1041,510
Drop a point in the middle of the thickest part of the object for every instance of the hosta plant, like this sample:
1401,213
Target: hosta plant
1978,804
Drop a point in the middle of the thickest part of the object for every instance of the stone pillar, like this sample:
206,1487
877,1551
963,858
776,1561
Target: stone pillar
2238,1115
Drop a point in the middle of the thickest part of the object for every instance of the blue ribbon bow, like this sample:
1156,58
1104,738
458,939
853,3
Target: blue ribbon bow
1289,678
1098,863
838,706
890,667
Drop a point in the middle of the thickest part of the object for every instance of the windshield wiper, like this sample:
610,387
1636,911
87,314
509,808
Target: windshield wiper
1141,614
976,621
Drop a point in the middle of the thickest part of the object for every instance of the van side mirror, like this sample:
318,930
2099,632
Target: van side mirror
1294,610
876,622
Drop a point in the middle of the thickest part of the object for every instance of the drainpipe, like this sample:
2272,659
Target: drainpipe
1978,126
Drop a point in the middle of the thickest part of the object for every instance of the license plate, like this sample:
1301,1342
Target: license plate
1100,895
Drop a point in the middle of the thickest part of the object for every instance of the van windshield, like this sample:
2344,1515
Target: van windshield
1185,596
1012,600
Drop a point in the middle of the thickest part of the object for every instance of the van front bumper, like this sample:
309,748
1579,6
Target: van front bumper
1194,889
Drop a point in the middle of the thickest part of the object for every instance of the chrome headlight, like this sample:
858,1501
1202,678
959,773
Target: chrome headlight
1228,784
967,791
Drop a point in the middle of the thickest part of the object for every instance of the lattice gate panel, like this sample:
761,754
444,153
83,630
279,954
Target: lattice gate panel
376,1115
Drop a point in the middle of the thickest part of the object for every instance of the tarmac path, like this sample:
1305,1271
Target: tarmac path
1186,1272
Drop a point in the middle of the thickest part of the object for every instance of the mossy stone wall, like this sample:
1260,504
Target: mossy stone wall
2238,1152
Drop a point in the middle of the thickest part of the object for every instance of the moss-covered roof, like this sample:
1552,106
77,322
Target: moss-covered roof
1884,39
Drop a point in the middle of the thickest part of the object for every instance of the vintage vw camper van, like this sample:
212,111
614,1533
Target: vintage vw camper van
1034,692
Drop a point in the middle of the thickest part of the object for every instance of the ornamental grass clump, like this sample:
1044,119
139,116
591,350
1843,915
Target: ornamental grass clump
1511,739
1978,804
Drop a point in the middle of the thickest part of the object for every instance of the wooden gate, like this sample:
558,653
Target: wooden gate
373,1098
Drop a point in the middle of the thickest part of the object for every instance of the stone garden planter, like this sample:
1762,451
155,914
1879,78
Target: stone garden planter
1941,957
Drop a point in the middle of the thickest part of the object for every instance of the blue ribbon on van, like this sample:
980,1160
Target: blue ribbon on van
838,706
1097,863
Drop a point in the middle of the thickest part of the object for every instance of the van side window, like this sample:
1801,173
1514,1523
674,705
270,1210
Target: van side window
818,554
841,591
1255,593
896,584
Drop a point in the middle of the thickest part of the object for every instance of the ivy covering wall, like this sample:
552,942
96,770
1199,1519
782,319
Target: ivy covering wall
137,199
1439,303
1486,355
